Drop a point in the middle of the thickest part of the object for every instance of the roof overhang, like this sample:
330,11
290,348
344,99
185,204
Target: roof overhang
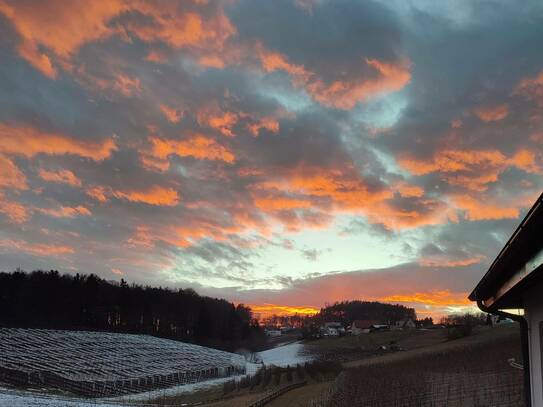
518,266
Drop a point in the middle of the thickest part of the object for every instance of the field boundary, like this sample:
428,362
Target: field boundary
276,393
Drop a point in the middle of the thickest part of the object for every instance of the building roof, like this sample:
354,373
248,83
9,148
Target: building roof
364,323
517,266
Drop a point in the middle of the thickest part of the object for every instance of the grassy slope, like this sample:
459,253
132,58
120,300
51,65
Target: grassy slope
416,343
439,344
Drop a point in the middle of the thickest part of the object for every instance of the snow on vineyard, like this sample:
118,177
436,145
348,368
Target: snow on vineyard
287,355
100,364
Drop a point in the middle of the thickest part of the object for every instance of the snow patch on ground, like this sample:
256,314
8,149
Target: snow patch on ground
28,399
292,354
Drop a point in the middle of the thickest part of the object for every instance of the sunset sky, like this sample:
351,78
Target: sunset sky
282,154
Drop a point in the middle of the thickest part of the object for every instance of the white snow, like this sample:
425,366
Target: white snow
291,354
28,399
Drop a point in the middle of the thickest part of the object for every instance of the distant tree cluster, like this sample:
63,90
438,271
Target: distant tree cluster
461,325
294,321
50,300
348,311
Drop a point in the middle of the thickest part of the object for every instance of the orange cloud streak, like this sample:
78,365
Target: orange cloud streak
453,161
61,176
98,192
66,211
492,113
51,32
531,88
28,142
267,123
476,210
171,113
441,298
266,310
10,175
280,203
197,146
156,195
14,211
391,77
35,249
346,94
444,262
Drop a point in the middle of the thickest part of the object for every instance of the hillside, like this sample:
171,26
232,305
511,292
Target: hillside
50,300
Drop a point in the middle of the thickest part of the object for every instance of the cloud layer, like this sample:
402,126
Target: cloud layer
377,150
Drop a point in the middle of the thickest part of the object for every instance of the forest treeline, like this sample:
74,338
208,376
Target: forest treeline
346,312
349,311
48,299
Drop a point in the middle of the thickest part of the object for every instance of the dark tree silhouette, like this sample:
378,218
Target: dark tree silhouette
50,300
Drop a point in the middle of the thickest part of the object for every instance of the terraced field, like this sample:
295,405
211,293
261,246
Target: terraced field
96,364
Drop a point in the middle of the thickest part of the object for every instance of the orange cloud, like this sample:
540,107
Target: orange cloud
410,191
213,117
155,195
345,95
28,142
390,77
439,261
280,203
60,176
441,298
10,175
117,271
197,146
453,161
426,213
274,61
56,28
266,310
323,192
179,28
492,113
14,211
51,32
97,192
531,88
471,169
171,113
267,123
127,85
526,160
142,238
35,249
476,210
66,211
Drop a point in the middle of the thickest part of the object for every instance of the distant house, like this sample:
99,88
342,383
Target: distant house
333,329
515,281
363,326
405,323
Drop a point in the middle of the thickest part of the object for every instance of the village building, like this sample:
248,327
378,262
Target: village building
333,329
515,281
405,323
361,326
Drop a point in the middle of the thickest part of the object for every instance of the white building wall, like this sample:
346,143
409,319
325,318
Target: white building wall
533,303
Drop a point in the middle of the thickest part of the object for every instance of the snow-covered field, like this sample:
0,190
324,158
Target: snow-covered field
22,399
102,364
292,354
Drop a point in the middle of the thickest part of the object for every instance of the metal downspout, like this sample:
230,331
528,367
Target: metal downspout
525,347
